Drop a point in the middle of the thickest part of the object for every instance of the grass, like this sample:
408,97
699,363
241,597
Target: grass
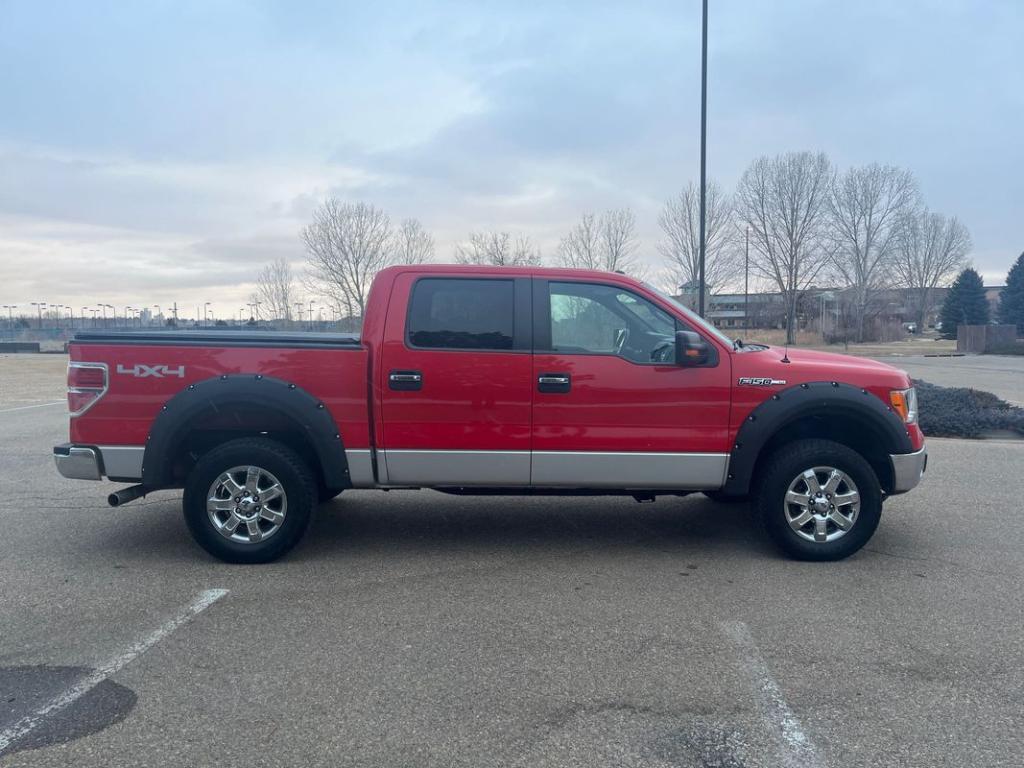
960,412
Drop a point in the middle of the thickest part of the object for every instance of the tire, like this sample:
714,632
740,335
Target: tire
838,526
255,529
720,497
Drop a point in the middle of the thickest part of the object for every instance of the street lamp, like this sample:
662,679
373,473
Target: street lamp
39,309
703,147
206,309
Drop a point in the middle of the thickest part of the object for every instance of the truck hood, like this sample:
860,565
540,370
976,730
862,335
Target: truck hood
811,365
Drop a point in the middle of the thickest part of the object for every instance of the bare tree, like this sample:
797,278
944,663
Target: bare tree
784,201
867,205
497,249
346,245
930,250
275,290
680,222
606,242
412,243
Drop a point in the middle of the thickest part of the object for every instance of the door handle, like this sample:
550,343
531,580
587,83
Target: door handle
405,381
554,382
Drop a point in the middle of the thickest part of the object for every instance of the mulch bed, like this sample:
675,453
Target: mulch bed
960,412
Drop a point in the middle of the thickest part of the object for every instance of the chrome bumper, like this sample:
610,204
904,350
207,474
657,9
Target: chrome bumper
907,469
77,462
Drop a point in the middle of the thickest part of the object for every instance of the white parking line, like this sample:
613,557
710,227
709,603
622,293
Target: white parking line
37,405
799,751
33,720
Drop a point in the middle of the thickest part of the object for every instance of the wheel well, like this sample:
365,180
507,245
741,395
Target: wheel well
230,422
849,430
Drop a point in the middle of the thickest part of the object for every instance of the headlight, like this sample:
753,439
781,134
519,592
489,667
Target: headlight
904,402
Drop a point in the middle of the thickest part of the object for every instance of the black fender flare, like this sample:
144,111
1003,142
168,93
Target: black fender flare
820,398
204,398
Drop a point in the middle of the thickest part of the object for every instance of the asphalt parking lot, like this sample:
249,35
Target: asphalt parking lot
1002,375
417,629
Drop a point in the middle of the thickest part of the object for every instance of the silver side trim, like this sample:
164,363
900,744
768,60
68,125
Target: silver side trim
122,461
907,469
586,469
434,468
360,468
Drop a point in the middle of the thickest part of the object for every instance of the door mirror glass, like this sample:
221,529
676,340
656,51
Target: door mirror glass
691,349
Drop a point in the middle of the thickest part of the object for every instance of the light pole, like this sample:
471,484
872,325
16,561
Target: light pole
159,312
206,309
311,315
39,310
746,283
703,144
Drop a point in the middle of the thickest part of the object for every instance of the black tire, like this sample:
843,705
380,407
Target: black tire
286,466
784,466
720,497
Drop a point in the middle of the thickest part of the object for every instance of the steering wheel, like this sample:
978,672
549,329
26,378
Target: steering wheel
662,353
621,337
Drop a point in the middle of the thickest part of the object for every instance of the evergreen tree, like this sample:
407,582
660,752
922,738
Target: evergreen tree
1011,300
965,305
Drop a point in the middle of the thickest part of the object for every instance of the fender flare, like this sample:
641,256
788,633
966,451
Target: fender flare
820,398
203,398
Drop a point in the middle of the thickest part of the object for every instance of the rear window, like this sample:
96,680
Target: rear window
461,314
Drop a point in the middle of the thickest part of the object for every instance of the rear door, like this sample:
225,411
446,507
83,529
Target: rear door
612,409
456,381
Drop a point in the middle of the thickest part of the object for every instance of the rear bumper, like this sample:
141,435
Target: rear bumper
77,462
94,462
908,469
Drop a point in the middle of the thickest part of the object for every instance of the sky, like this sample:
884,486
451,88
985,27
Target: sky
163,152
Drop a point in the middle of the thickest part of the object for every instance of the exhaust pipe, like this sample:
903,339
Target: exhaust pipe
131,493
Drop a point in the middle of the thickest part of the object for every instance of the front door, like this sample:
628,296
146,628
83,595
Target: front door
455,382
611,407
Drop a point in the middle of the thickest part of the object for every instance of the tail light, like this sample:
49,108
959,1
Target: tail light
87,383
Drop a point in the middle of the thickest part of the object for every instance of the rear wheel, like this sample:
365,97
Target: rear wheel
249,500
818,500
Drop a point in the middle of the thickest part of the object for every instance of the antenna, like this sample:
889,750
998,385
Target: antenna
785,355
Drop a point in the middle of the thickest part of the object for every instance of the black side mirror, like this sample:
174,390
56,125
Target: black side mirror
691,349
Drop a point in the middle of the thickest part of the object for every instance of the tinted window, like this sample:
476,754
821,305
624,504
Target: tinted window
602,319
461,314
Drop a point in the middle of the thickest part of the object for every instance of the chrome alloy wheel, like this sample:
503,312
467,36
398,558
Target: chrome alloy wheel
246,504
822,504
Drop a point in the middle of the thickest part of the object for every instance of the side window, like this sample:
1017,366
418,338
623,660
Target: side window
461,314
590,318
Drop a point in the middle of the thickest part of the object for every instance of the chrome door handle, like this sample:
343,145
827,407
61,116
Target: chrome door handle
405,381
554,382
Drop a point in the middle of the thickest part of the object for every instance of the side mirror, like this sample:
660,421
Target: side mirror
691,349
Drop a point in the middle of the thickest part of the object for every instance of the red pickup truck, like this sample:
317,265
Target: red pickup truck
481,380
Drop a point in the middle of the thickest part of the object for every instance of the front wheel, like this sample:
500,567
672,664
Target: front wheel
249,500
818,500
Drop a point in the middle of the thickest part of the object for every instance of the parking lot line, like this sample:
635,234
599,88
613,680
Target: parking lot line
37,405
800,751
33,720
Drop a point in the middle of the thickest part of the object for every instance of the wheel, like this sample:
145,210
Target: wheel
249,500
720,497
818,500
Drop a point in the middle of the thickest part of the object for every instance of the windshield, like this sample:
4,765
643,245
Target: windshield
692,317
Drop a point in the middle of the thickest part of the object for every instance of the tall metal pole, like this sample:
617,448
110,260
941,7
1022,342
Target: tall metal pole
746,283
703,146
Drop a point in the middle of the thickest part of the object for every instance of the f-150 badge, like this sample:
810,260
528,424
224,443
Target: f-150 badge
747,381
141,371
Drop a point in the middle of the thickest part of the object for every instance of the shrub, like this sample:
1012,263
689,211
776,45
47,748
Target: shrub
960,412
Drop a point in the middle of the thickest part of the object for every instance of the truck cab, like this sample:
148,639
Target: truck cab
472,379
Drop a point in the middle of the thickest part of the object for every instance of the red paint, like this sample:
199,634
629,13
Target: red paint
482,400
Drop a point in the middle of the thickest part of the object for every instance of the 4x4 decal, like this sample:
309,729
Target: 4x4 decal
141,371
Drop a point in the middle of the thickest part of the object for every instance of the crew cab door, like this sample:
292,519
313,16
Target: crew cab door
611,407
456,381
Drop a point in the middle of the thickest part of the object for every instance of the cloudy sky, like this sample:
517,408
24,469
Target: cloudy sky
164,151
